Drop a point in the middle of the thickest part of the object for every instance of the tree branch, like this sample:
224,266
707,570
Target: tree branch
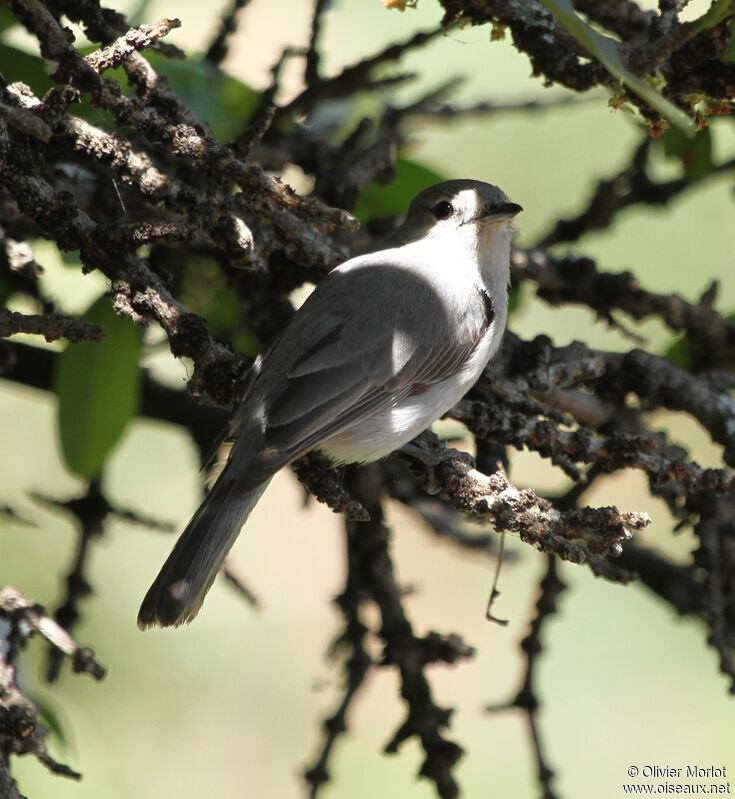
51,326
134,40
410,654
20,731
218,49
527,699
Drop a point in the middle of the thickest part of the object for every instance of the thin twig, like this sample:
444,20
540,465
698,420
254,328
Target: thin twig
527,699
312,57
350,645
218,49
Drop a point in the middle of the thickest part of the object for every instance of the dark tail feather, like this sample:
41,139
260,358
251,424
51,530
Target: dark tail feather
179,590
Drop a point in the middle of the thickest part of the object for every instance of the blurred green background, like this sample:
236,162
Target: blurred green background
233,704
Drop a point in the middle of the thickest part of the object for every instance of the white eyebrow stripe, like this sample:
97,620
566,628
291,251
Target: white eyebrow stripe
471,201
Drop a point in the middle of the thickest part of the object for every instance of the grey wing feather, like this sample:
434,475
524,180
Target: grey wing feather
440,365
298,438
306,394
320,354
330,370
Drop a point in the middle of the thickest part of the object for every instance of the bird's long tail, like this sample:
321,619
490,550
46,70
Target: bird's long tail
179,590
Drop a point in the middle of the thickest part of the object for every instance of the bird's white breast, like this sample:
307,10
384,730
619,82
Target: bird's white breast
377,436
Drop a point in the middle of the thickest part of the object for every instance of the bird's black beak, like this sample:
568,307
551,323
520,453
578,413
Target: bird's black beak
504,211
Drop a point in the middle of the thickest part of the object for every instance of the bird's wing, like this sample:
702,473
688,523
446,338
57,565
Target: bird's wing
364,340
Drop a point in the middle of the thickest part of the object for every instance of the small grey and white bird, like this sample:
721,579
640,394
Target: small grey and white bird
385,344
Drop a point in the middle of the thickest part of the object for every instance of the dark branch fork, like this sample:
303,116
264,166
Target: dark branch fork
21,731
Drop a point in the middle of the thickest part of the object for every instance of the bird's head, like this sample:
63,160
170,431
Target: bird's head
457,206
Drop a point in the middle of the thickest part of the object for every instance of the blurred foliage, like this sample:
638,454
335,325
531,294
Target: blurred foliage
393,198
98,386
714,15
223,101
729,54
203,289
680,351
226,103
49,716
7,19
516,296
5,289
695,154
71,258
17,64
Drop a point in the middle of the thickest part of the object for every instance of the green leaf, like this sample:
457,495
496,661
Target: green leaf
49,718
18,65
139,14
226,103
204,290
223,101
5,289
391,199
609,53
7,19
729,54
695,154
716,13
71,258
98,388
678,352
516,297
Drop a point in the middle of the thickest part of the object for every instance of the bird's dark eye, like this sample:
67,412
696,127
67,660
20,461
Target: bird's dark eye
443,210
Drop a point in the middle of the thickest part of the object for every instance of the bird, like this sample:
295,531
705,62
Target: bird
386,343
